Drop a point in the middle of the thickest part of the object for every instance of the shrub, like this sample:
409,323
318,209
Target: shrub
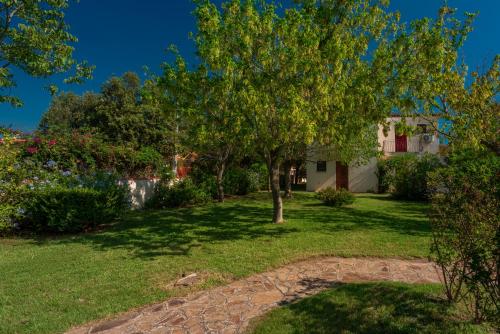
180,194
72,205
405,176
237,180
84,151
334,197
7,214
62,209
465,216
258,177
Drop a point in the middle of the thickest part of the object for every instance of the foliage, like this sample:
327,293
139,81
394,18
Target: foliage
439,83
237,180
84,152
73,208
466,230
177,194
405,176
67,203
7,220
205,100
36,39
302,75
124,113
333,197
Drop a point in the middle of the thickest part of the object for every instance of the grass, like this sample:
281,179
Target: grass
48,285
375,308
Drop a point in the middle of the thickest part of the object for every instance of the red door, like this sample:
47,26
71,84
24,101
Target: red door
342,176
401,143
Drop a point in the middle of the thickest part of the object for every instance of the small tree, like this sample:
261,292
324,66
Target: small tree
465,198
35,39
215,125
466,231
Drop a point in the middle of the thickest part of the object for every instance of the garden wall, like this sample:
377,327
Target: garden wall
140,191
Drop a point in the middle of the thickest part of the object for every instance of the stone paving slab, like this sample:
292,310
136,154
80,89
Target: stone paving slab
229,309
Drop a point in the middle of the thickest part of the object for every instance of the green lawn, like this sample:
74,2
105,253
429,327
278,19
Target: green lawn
375,308
47,285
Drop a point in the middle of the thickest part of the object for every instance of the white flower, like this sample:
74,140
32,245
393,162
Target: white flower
66,173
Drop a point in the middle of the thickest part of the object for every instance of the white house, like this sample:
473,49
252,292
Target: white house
324,172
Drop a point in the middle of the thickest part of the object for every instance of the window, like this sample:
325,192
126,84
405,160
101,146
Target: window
321,166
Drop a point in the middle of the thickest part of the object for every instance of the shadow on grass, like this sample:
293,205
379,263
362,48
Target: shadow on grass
148,234
364,308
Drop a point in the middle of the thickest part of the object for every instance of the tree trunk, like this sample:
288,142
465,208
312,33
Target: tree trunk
274,175
288,182
219,180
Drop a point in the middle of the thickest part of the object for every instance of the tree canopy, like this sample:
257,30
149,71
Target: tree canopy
315,73
125,111
35,39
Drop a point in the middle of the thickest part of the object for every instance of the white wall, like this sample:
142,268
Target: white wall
319,180
364,178
140,191
413,141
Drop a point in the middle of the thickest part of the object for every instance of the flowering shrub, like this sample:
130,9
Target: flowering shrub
40,194
85,152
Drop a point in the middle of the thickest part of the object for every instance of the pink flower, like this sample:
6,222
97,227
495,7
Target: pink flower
52,142
37,140
31,150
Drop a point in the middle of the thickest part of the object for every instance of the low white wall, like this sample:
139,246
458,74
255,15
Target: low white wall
140,191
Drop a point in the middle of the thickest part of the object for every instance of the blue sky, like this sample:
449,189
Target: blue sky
121,35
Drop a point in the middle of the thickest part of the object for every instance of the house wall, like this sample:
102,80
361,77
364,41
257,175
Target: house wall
364,178
319,180
413,141
361,178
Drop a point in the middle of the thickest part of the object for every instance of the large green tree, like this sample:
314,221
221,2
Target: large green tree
35,39
125,111
316,72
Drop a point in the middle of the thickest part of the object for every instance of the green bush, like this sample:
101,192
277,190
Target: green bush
236,181
71,205
7,222
179,194
61,209
334,197
465,217
406,176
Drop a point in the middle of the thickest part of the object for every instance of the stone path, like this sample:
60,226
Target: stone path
229,309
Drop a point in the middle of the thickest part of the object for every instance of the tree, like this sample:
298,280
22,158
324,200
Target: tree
123,112
69,111
216,129
306,75
35,39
